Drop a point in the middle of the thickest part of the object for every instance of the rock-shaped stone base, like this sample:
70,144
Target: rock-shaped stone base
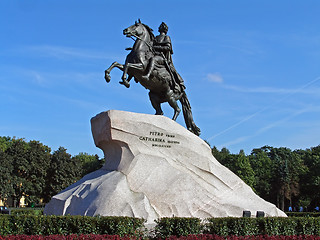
155,168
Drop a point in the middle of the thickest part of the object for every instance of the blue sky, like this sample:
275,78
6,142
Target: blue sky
252,69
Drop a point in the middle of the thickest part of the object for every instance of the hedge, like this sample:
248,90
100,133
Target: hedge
66,237
259,237
263,226
272,226
27,211
65,225
176,226
303,214
165,227
189,237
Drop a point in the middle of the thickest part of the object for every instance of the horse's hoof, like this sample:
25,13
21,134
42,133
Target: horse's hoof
125,83
107,77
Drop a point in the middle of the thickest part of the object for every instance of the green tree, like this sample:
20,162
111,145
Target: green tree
288,167
222,155
310,189
237,163
89,163
38,156
215,152
63,171
28,165
5,142
6,170
263,171
18,152
243,169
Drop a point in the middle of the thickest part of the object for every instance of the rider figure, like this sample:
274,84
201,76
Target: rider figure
163,51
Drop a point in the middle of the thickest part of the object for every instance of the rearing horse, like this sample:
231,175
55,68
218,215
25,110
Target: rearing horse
158,83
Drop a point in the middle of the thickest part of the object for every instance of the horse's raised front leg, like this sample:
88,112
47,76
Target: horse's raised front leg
124,81
127,81
126,68
107,72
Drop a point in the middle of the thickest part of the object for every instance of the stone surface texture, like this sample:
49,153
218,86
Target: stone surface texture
155,168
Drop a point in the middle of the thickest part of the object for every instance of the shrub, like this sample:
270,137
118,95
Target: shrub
303,214
232,226
65,237
26,211
66,225
177,227
189,237
259,237
262,226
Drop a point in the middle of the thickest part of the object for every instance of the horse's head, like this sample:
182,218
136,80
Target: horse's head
138,30
134,30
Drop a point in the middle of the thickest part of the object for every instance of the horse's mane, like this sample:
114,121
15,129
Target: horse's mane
150,31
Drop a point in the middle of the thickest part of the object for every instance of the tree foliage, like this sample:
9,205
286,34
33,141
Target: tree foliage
279,175
237,163
310,189
38,156
6,170
262,167
88,162
29,169
18,152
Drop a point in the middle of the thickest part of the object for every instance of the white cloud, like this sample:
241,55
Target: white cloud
214,77
58,51
315,91
234,142
262,129
305,89
63,52
37,77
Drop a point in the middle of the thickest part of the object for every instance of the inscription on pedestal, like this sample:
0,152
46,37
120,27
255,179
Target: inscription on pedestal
160,139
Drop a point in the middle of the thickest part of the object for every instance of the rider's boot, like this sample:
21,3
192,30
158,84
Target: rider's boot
149,70
145,77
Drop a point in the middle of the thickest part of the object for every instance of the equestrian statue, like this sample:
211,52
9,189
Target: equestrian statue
150,64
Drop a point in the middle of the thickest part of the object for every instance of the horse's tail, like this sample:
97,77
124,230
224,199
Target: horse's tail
187,114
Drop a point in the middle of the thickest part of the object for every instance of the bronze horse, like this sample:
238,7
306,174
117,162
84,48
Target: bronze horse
158,83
